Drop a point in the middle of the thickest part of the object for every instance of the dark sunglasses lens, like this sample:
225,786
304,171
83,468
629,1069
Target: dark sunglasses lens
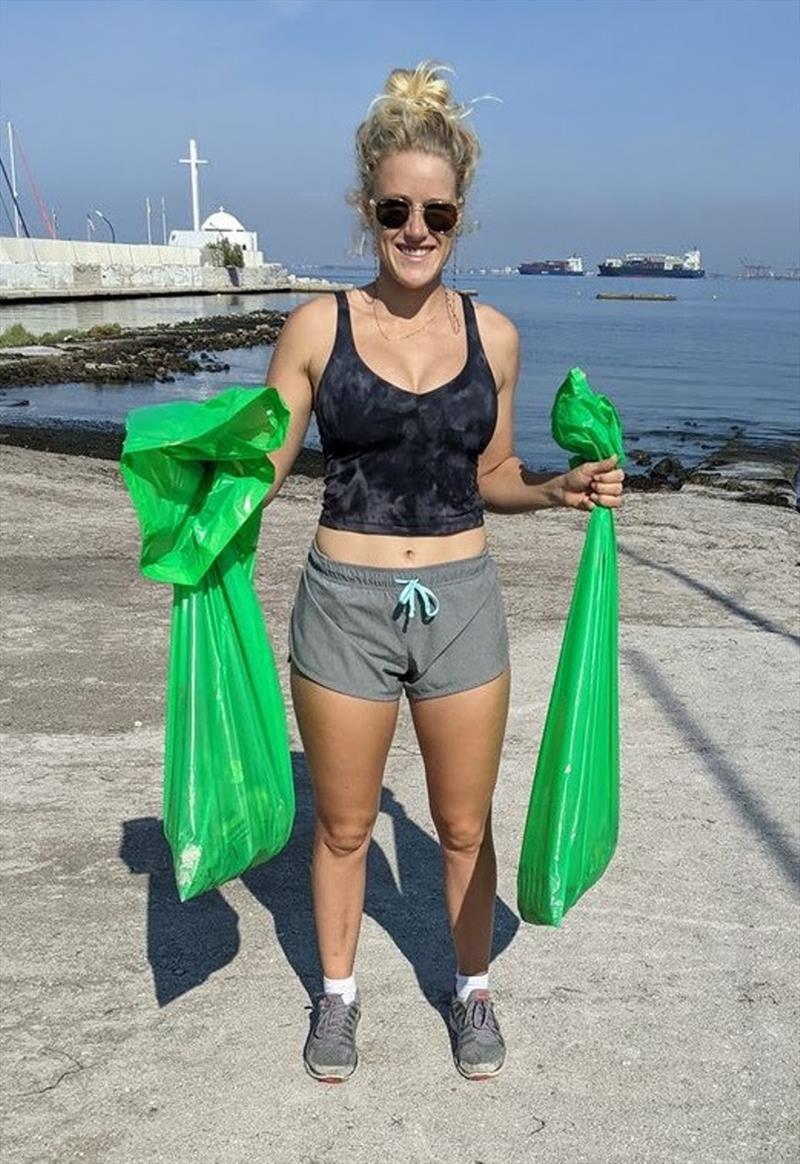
441,217
391,212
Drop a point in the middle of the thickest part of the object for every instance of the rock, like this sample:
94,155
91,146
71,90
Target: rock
759,473
640,457
667,474
670,472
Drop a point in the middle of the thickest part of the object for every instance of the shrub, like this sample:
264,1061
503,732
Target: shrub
226,254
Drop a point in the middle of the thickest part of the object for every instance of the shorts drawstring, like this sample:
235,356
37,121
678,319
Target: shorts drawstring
413,589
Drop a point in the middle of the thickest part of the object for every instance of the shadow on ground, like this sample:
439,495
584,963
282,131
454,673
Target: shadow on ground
770,832
188,942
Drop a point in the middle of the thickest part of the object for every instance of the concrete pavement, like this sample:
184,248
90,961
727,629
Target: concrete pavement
658,1025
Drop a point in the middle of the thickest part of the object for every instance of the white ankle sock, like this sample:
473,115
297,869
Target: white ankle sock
344,986
466,983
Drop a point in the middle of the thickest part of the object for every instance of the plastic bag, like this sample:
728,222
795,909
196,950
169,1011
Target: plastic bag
573,813
197,474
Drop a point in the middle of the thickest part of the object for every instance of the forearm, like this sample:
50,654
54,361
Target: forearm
512,488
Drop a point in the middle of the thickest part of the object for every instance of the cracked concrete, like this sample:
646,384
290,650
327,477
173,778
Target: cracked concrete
658,1025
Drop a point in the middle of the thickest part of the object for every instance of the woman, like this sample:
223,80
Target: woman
412,387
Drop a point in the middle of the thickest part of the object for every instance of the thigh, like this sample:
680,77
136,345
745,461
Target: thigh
346,742
461,738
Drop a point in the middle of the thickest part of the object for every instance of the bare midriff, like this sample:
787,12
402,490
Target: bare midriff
391,551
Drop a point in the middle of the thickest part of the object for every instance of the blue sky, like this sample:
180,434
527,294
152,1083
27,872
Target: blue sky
624,124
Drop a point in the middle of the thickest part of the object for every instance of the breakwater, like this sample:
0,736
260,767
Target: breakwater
52,270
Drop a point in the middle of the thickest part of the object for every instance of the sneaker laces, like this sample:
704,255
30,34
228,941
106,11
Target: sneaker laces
480,1016
334,1016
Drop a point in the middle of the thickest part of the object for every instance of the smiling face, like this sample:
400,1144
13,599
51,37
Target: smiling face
413,255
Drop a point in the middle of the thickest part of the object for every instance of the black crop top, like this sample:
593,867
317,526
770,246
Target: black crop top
400,462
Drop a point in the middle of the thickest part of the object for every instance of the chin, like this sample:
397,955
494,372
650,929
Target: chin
414,277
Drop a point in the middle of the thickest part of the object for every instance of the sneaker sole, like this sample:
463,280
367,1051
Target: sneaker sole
477,1076
328,1078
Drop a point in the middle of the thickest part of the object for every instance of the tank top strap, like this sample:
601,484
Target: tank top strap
344,327
473,335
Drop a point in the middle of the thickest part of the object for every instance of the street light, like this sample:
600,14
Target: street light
100,214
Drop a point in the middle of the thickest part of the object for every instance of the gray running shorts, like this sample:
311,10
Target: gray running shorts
373,633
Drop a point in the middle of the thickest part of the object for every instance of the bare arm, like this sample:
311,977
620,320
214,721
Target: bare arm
290,371
505,484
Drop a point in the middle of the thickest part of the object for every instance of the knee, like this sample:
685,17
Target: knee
343,838
463,835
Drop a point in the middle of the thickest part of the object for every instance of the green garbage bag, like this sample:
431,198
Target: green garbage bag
197,474
573,813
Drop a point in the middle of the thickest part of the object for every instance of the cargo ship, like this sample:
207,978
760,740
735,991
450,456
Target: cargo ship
686,266
571,266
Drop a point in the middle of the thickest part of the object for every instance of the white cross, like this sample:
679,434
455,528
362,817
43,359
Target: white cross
193,162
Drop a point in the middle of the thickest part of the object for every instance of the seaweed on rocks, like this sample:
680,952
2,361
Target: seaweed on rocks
144,353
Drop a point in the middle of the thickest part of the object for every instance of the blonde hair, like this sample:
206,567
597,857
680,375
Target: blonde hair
415,112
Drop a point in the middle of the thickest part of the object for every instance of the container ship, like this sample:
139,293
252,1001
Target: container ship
686,266
571,266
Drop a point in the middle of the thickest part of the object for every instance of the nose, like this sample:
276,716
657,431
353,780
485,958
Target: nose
416,227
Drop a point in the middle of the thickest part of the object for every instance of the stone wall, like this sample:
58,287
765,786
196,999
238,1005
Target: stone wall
32,268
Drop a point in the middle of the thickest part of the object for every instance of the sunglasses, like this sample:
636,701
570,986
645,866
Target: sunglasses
392,213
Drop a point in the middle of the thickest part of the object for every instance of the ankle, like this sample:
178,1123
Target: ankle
346,987
466,983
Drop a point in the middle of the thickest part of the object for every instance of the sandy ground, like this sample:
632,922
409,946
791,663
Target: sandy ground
658,1024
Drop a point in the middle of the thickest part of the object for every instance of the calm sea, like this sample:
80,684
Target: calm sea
683,375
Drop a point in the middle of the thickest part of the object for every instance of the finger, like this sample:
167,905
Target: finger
614,475
606,501
603,466
610,489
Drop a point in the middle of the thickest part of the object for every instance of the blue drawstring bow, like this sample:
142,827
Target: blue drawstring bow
412,590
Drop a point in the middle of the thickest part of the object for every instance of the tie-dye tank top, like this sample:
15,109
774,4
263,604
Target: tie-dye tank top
400,462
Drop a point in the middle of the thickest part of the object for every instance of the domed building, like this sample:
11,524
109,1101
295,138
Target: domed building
221,224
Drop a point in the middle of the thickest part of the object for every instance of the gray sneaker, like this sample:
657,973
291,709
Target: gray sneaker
330,1053
478,1047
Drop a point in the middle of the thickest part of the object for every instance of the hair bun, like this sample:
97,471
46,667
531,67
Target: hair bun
422,87
416,111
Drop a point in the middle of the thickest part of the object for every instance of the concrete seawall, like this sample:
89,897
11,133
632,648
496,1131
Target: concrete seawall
50,269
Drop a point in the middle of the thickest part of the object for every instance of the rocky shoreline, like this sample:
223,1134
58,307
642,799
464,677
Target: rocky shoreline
142,353
767,474
746,472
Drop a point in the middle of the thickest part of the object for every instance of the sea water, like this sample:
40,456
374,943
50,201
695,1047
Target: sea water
684,375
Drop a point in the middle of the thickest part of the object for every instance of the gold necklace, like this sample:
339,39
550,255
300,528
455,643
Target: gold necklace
451,311
455,322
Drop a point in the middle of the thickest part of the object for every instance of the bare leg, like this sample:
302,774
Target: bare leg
346,741
461,737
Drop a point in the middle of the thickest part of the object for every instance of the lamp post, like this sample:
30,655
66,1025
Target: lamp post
100,214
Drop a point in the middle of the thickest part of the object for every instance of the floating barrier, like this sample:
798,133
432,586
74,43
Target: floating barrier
651,295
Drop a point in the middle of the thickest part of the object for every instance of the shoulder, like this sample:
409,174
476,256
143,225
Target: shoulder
500,340
309,317
309,330
494,326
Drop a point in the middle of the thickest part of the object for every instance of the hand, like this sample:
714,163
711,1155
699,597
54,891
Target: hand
593,483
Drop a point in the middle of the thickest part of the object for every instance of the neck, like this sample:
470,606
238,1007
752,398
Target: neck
405,302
